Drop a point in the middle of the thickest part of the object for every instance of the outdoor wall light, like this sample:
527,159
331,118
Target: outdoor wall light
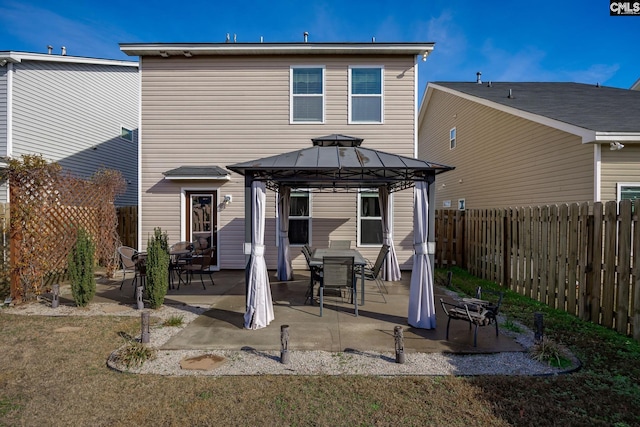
613,146
227,199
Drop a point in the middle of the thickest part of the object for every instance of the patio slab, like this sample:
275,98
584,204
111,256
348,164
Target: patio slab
221,327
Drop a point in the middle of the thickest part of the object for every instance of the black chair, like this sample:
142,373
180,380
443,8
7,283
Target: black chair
339,274
315,274
201,264
180,255
480,311
372,271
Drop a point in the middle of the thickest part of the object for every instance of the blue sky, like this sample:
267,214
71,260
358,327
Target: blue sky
505,40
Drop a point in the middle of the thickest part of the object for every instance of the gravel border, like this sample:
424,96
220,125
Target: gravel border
253,362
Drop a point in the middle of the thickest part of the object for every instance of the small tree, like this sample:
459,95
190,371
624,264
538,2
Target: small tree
157,268
81,267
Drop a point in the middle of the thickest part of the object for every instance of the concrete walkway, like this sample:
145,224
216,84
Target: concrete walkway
338,330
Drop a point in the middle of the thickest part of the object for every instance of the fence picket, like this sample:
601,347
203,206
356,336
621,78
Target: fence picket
636,271
609,276
624,267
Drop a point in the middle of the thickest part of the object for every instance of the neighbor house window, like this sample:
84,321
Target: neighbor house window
300,218
369,219
452,139
126,134
365,95
307,95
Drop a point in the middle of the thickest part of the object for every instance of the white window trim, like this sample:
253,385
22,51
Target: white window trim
310,217
291,95
453,141
351,122
359,218
619,186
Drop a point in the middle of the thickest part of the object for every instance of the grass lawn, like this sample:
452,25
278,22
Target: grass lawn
61,378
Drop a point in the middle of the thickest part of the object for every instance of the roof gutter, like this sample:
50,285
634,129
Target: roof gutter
194,49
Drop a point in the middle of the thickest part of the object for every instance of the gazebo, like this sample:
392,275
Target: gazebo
338,163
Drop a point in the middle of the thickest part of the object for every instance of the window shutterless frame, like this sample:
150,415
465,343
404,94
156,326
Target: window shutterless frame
366,94
307,99
300,218
126,134
452,138
369,219
627,191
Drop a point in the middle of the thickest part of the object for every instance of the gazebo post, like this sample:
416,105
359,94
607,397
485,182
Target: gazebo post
248,231
431,180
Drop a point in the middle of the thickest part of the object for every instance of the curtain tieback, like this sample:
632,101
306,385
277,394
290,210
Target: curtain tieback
257,250
421,248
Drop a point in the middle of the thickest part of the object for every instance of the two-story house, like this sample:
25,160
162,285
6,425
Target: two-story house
207,106
80,112
531,143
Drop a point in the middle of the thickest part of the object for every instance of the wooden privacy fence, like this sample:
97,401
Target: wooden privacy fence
579,258
128,225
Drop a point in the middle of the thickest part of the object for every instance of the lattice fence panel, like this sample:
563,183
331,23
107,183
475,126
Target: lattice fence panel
47,209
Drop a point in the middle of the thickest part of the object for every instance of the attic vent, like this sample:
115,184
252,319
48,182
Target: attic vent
479,77
510,96
306,37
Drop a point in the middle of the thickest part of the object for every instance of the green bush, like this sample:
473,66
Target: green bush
157,268
80,265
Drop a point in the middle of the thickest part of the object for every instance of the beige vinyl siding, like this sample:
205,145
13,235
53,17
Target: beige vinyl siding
618,166
71,113
225,110
502,160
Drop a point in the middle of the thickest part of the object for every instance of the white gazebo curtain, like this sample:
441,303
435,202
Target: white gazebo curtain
259,311
391,268
285,269
422,311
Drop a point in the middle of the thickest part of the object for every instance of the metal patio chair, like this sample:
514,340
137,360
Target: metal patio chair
339,274
126,255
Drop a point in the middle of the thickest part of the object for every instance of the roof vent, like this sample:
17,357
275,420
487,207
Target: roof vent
489,84
479,77
226,40
306,37
373,39
510,96
64,51
49,49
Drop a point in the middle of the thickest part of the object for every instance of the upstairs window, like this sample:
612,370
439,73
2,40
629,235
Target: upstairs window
365,95
307,95
452,138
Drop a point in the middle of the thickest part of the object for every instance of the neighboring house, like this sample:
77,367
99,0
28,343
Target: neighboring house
207,106
525,144
80,112
636,85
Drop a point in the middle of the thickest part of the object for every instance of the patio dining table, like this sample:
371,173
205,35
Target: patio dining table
318,254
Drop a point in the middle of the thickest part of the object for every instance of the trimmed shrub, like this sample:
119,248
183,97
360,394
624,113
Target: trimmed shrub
157,268
80,265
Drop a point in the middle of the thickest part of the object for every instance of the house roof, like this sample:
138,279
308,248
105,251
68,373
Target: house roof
597,113
16,57
211,172
194,49
342,164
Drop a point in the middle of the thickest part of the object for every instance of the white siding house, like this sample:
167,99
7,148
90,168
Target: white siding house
80,112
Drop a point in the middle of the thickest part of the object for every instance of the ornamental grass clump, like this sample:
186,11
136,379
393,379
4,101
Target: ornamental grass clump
81,267
157,268
134,354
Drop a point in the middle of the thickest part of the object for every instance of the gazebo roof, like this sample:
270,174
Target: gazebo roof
339,162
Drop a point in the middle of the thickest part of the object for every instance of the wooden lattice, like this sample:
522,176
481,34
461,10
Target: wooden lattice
48,207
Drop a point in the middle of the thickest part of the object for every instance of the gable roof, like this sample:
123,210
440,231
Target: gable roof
596,113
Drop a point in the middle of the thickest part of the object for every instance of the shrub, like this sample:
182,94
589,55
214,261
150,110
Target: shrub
157,268
134,354
81,269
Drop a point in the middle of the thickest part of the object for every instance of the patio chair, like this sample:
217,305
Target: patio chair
338,273
315,274
476,311
340,244
372,271
126,255
201,264
180,255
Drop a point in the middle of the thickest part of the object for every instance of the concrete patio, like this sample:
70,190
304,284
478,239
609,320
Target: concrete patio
338,330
